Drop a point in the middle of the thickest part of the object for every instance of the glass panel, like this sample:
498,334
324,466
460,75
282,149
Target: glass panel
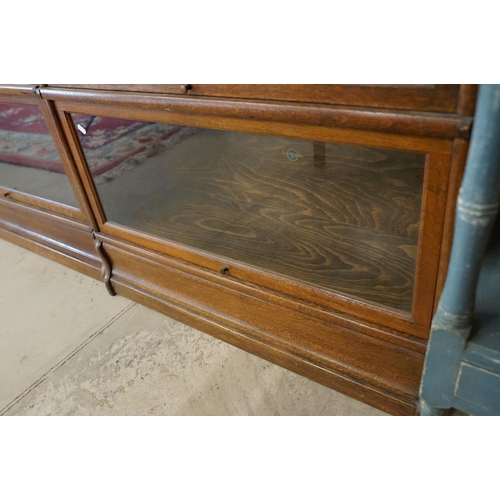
29,161
344,218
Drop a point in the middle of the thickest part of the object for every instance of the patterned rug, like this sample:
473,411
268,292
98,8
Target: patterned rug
112,146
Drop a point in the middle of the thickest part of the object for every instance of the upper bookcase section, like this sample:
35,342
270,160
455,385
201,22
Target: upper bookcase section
418,97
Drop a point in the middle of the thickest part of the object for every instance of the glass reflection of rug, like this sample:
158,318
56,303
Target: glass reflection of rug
112,146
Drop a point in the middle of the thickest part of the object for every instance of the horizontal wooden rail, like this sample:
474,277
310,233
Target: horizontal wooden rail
17,89
441,125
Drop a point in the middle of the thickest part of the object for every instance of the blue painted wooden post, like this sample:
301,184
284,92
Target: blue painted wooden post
477,208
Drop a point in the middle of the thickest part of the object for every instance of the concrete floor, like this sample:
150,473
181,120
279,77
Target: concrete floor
68,348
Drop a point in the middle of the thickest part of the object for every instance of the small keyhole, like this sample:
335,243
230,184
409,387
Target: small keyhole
224,270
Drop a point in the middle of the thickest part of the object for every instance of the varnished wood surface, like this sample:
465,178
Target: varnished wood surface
34,189
361,137
351,226
348,304
418,123
159,88
44,204
298,363
320,350
55,127
419,97
434,202
467,99
442,98
330,311
58,254
17,89
328,357
460,150
61,238
81,171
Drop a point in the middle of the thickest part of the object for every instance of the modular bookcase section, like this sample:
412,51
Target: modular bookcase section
42,204
309,225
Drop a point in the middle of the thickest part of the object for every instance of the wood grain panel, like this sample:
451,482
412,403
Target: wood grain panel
397,319
35,201
384,400
378,365
460,150
429,97
18,89
59,238
394,121
158,88
42,247
351,225
312,306
417,139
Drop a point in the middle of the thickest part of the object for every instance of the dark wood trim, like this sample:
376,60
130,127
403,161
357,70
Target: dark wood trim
365,350
63,240
460,150
41,247
321,298
40,211
46,108
37,202
83,171
18,90
433,97
28,99
286,297
160,88
437,173
467,99
246,321
436,98
400,122
377,398
52,121
433,215
252,126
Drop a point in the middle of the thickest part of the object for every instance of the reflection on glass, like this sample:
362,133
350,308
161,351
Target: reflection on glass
29,161
345,218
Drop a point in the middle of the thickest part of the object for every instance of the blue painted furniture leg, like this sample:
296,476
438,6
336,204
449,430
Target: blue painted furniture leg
477,208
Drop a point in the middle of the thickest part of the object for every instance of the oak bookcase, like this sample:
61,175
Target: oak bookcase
307,224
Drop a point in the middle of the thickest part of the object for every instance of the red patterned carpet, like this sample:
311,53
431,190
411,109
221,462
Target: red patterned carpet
111,145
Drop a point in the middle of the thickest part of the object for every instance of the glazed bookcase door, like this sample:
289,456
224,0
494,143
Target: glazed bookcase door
342,218
343,224
291,222
32,170
43,206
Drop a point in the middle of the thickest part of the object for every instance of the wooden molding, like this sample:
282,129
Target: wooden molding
401,122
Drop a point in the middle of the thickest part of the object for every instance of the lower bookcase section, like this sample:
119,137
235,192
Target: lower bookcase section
68,242
322,348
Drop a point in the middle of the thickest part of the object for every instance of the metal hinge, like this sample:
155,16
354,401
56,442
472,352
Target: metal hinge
36,90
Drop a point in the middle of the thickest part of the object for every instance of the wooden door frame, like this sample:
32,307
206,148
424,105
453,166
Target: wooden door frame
166,109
